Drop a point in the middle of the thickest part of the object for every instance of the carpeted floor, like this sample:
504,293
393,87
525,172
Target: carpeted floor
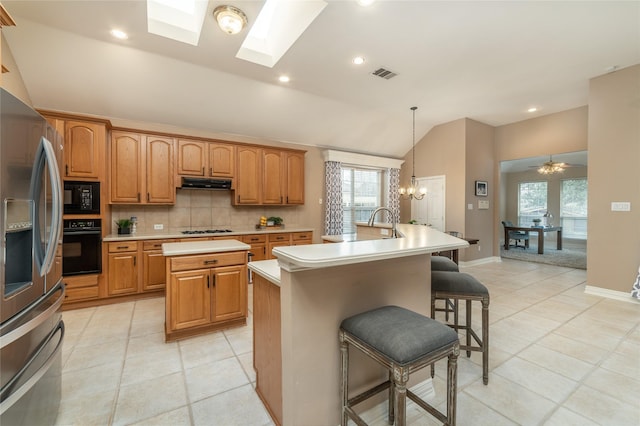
569,257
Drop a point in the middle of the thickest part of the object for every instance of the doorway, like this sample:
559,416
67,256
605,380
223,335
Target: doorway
430,211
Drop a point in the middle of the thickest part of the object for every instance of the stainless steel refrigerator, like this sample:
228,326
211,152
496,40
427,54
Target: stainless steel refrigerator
31,326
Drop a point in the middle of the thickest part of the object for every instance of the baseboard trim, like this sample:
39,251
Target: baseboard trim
482,261
611,294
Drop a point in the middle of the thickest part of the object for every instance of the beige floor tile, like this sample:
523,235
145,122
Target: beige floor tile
557,362
241,342
150,398
94,410
625,364
564,417
590,333
144,367
80,384
554,310
148,344
537,379
177,417
214,378
624,388
205,351
246,360
511,400
90,356
573,348
602,408
473,412
239,407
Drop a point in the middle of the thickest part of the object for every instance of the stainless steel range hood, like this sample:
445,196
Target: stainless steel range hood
206,183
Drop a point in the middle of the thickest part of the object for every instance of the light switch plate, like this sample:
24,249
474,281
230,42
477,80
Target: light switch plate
483,204
469,206
620,206
158,226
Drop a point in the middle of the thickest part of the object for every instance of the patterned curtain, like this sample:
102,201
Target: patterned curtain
393,196
333,216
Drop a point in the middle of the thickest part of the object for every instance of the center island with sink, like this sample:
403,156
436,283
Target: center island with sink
301,298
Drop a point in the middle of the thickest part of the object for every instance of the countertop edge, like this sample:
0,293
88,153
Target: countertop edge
268,269
202,247
172,236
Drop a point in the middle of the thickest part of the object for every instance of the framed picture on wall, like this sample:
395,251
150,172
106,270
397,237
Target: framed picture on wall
481,188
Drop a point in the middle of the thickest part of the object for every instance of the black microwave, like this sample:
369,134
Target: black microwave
81,197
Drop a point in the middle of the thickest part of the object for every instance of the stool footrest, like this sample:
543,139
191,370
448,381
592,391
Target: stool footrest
369,393
435,413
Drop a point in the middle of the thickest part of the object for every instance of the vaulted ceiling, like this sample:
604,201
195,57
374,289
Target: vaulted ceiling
489,61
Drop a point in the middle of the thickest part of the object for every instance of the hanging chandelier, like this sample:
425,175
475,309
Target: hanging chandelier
412,191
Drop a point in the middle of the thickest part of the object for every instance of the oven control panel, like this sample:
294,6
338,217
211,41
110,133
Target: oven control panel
82,224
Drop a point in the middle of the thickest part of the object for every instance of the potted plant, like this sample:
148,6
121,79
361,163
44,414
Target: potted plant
274,220
536,222
124,226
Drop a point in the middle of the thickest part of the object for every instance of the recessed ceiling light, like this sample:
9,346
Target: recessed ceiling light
532,109
284,79
120,35
365,3
358,60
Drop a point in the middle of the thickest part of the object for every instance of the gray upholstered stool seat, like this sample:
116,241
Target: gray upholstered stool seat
402,341
443,263
446,285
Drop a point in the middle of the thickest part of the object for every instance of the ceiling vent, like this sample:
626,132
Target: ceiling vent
384,73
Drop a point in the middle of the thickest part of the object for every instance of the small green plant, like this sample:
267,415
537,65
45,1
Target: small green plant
413,222
275,219
123,223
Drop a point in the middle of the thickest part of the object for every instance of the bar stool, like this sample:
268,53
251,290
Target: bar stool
457,286
443,263
403,342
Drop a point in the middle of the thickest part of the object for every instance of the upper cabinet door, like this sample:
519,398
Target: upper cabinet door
222,160
248,176
272,177
192,158
126,173
295,178
160,170
84,144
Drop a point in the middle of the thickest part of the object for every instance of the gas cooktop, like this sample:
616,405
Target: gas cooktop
208,231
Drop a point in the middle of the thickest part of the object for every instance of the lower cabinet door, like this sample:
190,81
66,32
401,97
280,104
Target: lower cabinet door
154,271
230,293
123,273
190,299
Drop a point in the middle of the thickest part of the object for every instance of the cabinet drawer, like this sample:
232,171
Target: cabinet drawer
123,246
79,281
279,237
185,263
254,239
299,236
72,294
155,244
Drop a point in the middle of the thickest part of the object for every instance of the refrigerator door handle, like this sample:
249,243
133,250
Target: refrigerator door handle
25,328
11,399
45,155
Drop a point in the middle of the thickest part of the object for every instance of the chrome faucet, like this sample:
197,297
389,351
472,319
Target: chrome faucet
394,232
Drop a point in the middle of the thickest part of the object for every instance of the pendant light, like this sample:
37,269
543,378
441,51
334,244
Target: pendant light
412,191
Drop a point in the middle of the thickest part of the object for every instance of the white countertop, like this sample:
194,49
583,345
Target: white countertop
171,234
416,240
269,269
202,247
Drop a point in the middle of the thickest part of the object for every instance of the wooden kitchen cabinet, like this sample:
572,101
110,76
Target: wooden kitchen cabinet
123,268
192,158
277,240
267,176
154,276
248,176
205,292
301,238
84,149
142,169
258,245
222,160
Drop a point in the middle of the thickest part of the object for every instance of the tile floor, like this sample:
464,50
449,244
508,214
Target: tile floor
557,357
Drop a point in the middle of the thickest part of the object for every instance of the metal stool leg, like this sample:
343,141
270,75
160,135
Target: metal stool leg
344,378
452,388
468,314
400,379
485,340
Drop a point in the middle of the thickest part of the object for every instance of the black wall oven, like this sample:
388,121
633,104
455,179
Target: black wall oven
81,247
81,197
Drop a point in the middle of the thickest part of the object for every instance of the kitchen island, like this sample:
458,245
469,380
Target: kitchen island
206,287
300,300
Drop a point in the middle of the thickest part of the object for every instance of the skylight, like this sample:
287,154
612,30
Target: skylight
276,28
179,20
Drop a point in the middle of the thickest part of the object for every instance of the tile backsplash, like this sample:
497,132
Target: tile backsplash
200,209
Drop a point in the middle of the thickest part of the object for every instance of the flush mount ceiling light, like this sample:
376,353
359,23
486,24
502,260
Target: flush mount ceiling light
358,60
119,34
284,79
413,191
230,19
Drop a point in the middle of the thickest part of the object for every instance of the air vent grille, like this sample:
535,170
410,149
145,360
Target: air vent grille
384,73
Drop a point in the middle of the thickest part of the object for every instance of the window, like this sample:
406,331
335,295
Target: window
362,192
532,202
573,208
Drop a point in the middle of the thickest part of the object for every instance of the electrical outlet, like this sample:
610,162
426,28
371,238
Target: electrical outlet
620,206
384,231
479,248
320,201
158,226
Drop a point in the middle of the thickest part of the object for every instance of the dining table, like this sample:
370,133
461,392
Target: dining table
541,230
